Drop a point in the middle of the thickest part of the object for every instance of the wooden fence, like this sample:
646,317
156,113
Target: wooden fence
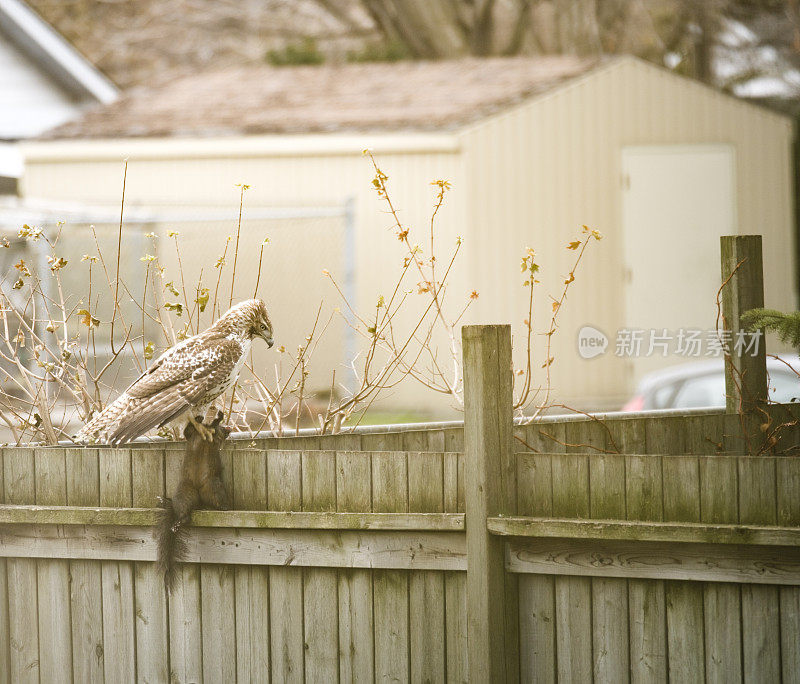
609,549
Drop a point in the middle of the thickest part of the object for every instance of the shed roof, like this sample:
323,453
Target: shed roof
419,96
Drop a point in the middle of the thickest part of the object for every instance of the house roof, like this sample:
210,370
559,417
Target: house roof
54,55
420,96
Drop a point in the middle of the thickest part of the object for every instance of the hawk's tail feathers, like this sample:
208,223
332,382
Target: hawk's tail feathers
97,428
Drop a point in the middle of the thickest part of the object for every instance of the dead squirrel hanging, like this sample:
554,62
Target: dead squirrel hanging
200,486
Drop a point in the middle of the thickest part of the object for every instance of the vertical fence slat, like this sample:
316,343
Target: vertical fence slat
390,590
218,602
788,480
285,584
5,626
790,634
537,620
455,582
52,576
119,643
761,637
684,599
628,434
722,604
573,594
426,587
646,598
83,489
356,634
320,601
251,583
152,631
185,620
20,488
610,635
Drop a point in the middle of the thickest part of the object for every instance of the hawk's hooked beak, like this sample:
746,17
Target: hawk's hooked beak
267,337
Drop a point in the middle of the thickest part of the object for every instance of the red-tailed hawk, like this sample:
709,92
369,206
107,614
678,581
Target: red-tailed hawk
185,379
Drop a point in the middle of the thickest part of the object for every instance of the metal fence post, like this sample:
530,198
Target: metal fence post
491,490
745,371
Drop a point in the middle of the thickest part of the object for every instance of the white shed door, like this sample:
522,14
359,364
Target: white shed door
677,201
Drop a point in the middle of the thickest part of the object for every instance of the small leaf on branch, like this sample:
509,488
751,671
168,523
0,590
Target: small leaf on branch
22,267
18,284
30,233
56,263
548,362
574,244
87,319
473,294
169,286
202,298
147,257
149,350
173,233
555,306
570,279
177,307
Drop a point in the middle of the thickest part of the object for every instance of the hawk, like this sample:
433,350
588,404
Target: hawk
184,380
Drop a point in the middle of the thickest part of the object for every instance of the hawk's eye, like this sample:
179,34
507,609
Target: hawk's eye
263,327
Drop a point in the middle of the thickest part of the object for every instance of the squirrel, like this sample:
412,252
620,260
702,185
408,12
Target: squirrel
200,485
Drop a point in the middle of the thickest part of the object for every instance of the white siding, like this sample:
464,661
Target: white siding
30,102
536,173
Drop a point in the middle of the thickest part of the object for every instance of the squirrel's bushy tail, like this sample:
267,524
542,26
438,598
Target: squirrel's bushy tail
171,537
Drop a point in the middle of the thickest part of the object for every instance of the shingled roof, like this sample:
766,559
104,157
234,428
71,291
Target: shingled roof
421,96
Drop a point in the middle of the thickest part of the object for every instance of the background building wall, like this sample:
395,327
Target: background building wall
538,172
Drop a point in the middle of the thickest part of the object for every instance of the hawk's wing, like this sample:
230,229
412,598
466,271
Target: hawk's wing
179,379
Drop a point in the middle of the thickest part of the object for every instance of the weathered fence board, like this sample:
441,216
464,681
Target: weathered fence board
119,643
285,584
52,575
356,620
251,583
86,599
20,487
150,599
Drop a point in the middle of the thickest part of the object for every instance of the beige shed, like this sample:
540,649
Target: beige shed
534,148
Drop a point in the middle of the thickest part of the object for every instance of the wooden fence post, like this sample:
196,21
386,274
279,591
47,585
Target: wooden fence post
491,490
745,372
